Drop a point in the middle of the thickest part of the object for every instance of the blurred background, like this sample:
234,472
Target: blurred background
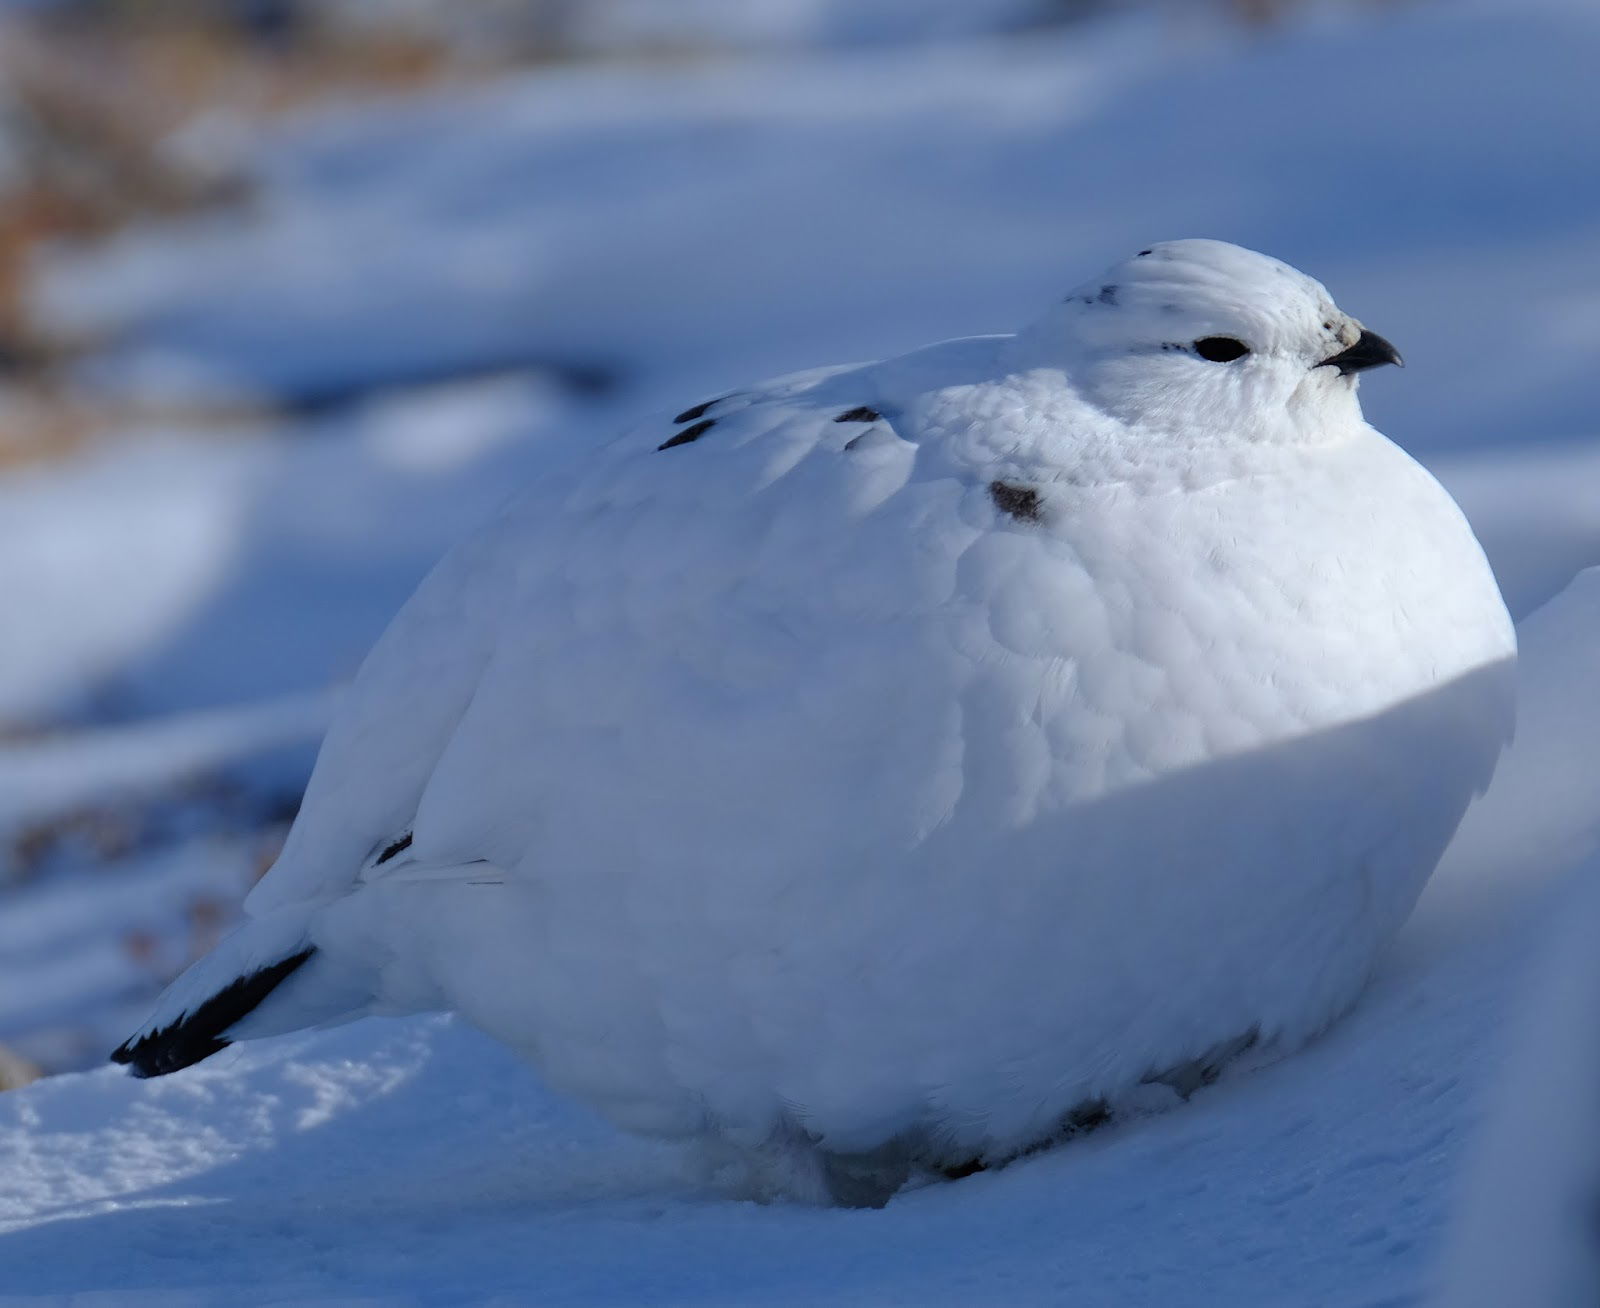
292,293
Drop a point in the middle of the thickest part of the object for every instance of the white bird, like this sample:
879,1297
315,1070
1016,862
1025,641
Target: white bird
888,766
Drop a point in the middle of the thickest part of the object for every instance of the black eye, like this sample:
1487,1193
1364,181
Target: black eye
1220,349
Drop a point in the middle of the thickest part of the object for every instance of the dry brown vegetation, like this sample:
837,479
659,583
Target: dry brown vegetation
89,106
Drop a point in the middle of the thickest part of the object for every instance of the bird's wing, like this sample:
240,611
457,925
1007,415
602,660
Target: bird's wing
396,718
623,555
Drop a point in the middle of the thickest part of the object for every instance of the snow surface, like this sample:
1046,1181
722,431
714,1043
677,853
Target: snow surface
680,227
1529,1231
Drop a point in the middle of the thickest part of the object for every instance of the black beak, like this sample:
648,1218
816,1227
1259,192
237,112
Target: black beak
1370,351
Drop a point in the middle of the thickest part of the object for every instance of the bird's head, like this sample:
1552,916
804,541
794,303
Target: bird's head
1203,332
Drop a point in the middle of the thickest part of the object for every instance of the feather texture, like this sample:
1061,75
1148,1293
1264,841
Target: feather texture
919,751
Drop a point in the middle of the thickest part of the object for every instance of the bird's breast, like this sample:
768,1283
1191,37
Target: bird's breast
1164,629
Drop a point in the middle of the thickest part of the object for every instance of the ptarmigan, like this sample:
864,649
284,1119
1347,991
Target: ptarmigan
886,767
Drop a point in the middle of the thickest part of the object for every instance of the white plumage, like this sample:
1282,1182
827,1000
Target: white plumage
876,766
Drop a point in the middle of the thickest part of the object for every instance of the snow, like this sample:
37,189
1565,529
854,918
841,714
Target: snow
1527,1230
692,26
679,227
177,572
40,780
650,218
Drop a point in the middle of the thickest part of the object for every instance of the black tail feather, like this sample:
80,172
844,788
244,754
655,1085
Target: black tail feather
198,1035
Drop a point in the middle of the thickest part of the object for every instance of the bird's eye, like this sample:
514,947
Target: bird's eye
1220,349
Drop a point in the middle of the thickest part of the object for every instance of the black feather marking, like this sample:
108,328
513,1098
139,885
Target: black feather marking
1021,502
689,434
399,846
699,410
198,1035
1087,1116
859,414
1108,295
